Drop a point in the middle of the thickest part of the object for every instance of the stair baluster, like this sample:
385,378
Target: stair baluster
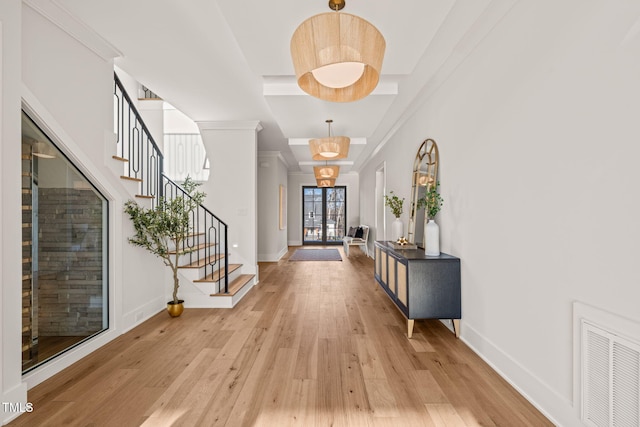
207,246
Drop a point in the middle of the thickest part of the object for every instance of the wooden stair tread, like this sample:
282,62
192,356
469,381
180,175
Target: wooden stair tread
130,178
122,159
219,274
204,261
195,248
236,285
143,196
192,235
200,233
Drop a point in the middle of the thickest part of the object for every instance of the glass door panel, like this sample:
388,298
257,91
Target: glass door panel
335,207
324,213
312,212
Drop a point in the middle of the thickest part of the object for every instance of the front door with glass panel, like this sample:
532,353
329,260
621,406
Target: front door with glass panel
323,215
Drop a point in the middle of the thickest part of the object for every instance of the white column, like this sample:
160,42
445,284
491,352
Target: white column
232,187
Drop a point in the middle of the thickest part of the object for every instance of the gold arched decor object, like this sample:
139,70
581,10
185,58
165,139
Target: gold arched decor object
423,178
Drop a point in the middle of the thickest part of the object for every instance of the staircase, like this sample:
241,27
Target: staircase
208,277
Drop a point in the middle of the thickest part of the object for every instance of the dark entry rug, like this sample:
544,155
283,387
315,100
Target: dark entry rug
316,255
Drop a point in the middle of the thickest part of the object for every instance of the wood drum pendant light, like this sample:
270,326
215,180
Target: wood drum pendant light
325,183
337,56
331,147
324,172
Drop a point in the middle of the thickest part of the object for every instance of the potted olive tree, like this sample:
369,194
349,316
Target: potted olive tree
164,229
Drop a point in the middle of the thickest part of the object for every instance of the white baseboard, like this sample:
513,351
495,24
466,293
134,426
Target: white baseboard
16,395
141,314
558,409
272,257
68,358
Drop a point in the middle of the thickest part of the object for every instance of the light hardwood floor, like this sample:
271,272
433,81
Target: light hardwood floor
314,344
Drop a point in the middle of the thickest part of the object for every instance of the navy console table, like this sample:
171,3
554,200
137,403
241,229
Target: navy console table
422,287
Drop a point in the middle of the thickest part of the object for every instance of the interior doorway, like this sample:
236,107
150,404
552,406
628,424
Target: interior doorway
323,215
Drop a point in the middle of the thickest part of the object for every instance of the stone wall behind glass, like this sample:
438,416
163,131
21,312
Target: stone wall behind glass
69,262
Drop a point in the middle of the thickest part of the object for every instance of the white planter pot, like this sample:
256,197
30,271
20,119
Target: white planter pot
432,239
397,229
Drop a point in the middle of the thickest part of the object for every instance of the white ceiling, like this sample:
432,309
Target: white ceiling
229,60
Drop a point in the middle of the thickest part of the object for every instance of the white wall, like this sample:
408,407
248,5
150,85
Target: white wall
538,135
272,173
175,121
67,87
13,389
294,214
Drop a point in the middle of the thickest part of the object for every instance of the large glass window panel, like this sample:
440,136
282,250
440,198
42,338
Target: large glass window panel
64,257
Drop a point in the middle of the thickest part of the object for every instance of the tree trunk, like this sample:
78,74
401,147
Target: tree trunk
176,283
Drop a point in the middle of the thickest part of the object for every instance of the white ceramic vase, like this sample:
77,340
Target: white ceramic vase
397,229
432,239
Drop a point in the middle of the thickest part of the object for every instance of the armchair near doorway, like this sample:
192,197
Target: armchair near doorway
357,236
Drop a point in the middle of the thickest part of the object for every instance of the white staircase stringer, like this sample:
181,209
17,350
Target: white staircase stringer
210,294
194,298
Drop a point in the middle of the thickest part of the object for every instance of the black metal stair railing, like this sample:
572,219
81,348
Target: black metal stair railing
144,160
206,246
207,241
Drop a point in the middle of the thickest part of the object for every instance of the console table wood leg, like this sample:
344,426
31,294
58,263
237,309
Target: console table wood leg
410,327
456,327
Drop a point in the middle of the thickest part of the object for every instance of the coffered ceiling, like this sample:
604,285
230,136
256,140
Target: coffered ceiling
229,61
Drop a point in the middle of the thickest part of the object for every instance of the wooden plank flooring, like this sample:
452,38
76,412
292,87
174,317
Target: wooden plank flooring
314,344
